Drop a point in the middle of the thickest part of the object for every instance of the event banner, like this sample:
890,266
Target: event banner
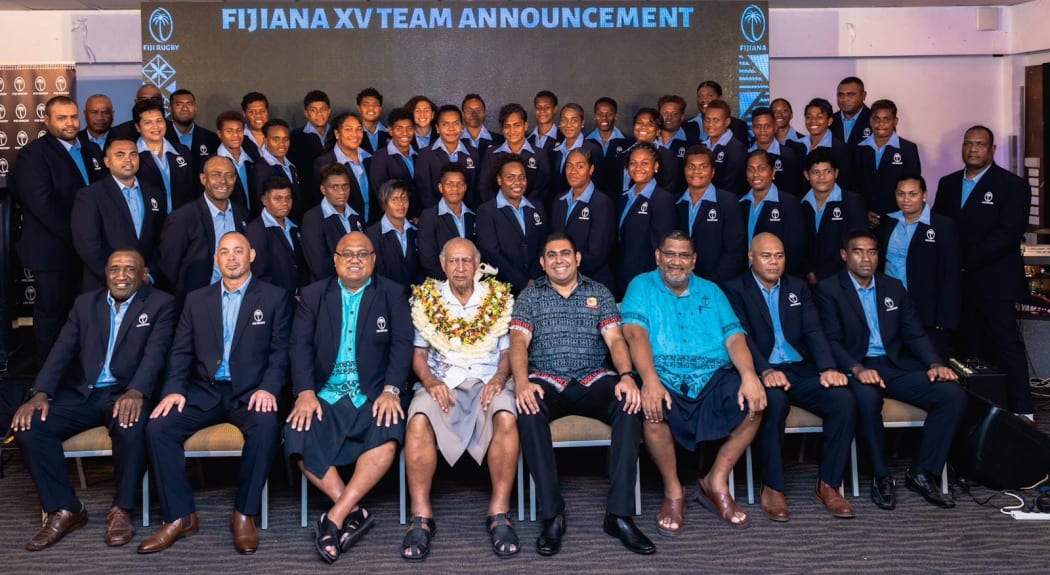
24,89
634,52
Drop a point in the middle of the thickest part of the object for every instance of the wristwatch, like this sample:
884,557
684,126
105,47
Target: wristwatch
395,391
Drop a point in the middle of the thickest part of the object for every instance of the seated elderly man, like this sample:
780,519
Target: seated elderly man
465,403
351,351
698,378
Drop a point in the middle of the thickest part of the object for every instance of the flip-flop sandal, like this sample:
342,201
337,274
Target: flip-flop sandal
417,539
327,536
355,526
674,510
721,505
503,535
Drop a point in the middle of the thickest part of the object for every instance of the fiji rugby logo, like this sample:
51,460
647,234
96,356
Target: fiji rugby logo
161,25
753,24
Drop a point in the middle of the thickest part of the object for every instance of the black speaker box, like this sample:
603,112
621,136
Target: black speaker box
982,379
997,449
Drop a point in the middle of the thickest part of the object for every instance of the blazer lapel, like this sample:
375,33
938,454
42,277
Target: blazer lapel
852,297
333,308
512,220
208,224
130,316
364,312
758,299
120,205
248,301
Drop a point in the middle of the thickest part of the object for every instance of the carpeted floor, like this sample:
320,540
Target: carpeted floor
915,538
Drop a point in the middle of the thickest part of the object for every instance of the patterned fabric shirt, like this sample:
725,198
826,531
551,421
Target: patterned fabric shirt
344,379
687,332
566,332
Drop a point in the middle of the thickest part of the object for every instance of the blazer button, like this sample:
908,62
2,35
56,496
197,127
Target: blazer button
218,362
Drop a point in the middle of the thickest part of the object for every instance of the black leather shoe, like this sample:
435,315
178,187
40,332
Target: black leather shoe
624,529
922,483
549,541
882,492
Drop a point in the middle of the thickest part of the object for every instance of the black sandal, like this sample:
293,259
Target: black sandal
354,528
417,539
503,535
328,534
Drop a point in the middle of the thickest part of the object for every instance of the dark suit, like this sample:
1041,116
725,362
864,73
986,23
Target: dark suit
45,181
382,138
991,227
537,173
645,224
592,226
203,144
391,262
102,224
139,355
802,330
320,236
244,190
484,143
262,171
823,257
187,246
694,130
784,220
258,361
386,167
434,231
844,160
909,353
303,149
249,146
788,167
185,177
97,151
719,236
503,244
429,163
559,185
879,185
276,262
861,127
730,165
312,193
608,169
550,141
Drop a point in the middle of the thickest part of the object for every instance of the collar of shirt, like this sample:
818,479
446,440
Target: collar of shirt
484,134
121,186
978,177
856,285
472,301
343,158
565,146
69,146
924,217
505,148
271,222
178,133
347,291
112,302
268,157
646,192
250,136
694,284
245,158
597,135
774,147
551,133
242,290
825,141
679,135
99,139
772,196
709,196
327,209
722,141
894,141
386,226
379,128
444,209
501,201
168,148
698,119
393,151
460,148
834,196
773,290
215,210
585,197
311,129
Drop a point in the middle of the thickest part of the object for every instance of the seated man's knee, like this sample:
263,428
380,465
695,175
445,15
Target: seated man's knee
777,404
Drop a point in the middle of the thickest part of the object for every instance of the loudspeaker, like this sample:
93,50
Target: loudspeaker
982,379
997,449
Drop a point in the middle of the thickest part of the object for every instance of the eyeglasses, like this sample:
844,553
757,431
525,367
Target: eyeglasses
676,255
350,256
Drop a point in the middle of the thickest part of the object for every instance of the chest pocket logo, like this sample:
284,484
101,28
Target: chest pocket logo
897,159
931,236
712,215
890,304
793,300
867,132
836,214
470,163
257,318
381,325
585,213
143,321
644,208
721,157
532,163
153,206
204,150
95,165
180,161
774,215
989,198
681,152
778,165
537,219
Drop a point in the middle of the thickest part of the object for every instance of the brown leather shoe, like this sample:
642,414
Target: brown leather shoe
169,533
119,529
57,525
774,505
835,503
245,537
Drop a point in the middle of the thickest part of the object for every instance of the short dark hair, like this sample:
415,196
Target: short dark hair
118,138
671,99
314,96
700,150
545,94
147,105
821,156
447,109
251,98
398,114
991,136
513,108
453,168
332,169
369,93
823,105
275,123
853,80
761,111
760,153
505,159
574,107
608,102
275,183
719,105
557,237
711,84
785,100
182,92
59,101
587,155
884,105
229,116
470,97
337,124
913,176
857,234
674,236
652,113
644,147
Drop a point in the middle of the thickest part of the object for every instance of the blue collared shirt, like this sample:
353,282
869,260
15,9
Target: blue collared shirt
101,140
504,148
327,210
519,212
811,199
116,317
271,222
869,302
223,222
187,138
242,170
847,124
679,135
585,197
311,129
391,149
386,226
900,241
632,194
774,147
454,156
541,140
566,147
78,157
894,142
694,207
969,184
345,380
373,137
596,135
358,169
792,135
783,351
825,140
722,141
231,308
136,207
484,134
752,217
460,221
424,141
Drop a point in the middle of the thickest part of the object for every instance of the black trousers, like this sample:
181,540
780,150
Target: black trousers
70,413
945,403
989,330
596,401
167,455
834,405
55,292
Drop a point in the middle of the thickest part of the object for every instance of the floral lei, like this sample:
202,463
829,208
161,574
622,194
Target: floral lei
473,336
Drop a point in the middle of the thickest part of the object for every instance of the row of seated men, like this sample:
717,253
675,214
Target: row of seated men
683,361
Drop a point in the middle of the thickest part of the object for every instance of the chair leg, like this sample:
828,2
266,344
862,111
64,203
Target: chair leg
853,464
401,484
532,498
80,473
145,499
802,449
521,487
944,479
302,505
266,505
750,477
732,484
638,487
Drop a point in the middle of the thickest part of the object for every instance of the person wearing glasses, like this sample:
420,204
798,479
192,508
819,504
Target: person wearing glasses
394,237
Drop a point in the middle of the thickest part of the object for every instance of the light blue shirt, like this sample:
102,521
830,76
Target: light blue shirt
566,147
358,170
327,209
409,159
825,141
900,241
484,134
894,142
461,224
969,184
454,156
184,139
310,129
869,302
774,147
242,170
116,317
710,195
782,351
271,222
519,212
752,217
223,223
541,140
585,197
345,379
424,141
136,207
847,124
162,163
679,135
373,137
385,226
632,194
811,199
272,160
597,137
101,140
231,308
722,141
792,135
504,148
78,157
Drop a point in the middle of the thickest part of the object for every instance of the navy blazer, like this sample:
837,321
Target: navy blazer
252,149
187,246
140,351
719,236
903,335
559,185
861,128
537,173
102,224
730,167
694,131
549,143
608,167
185,177
383,336
592,226
932,268
665,179
385,168
303,149
45,181
261,171
383,139
784,220
203,144
879,185
276,262
434,231
647,222
799,320
503,245
991,227
484,143
258,353
312,193
823,257
96,152
391,263
428,173
787,167
320,236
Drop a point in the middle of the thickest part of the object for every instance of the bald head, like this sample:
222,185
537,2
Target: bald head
234,256
767,258
146,92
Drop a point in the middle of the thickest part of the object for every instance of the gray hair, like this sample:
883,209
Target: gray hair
444,249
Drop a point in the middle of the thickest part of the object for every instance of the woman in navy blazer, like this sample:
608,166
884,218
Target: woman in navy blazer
586,215
394,238
645,214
